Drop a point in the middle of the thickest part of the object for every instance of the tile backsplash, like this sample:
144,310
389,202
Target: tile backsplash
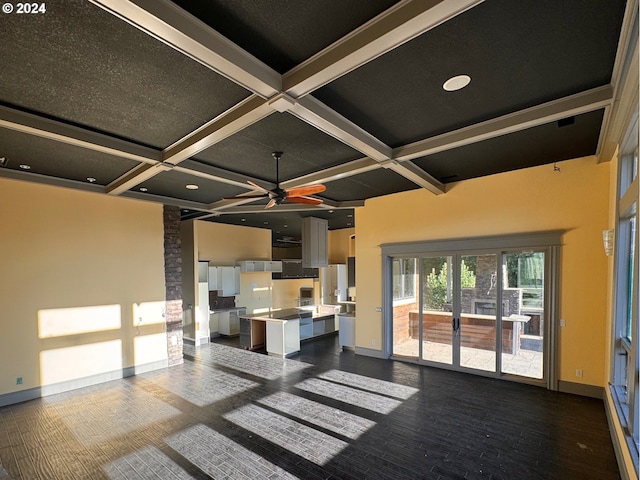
216,301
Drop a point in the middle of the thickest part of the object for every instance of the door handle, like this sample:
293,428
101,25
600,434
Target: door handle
455,323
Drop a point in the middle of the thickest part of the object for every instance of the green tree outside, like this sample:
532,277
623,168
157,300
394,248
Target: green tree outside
435,287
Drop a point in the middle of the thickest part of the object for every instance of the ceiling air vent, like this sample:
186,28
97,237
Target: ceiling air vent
566,121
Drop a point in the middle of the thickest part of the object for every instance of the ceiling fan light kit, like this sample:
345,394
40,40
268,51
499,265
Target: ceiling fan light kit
278,195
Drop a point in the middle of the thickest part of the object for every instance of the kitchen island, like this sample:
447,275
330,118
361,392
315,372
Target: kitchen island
280,331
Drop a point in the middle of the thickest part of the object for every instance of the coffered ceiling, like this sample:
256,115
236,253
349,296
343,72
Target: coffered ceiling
142,98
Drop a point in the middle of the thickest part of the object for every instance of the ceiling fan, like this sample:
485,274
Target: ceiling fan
278,195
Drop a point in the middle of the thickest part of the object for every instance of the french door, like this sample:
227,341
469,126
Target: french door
482,311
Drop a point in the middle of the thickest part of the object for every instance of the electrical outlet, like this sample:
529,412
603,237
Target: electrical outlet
562,322
378,309
19,381
579,372
373,342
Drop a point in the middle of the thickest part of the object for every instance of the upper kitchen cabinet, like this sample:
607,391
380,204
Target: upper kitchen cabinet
250,266
225,279
314,242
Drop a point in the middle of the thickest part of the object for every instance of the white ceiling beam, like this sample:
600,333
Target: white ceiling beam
316,113
134,177
76,136
417,175
531,117
625,86
233,120
399,24
202,170
176,202
29,176
333,173
182,31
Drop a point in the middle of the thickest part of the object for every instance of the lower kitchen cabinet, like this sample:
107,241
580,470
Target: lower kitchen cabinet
229,321
347,330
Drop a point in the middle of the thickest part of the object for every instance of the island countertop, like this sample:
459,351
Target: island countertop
285,314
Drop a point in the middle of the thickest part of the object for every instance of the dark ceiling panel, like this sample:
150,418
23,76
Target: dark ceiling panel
305,149
283,33
288,224
540,145
55,159
518,54
81,64
173,184
366,185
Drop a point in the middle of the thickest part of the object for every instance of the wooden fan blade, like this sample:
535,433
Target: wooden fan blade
306,190
240,197
271,203
305,200
255,185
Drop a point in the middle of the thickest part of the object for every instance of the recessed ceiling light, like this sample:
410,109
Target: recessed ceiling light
265,223
456,83
244,219
348,224
91,180
349,215
25,167
330,211
3,161
144,189
192,186
286,226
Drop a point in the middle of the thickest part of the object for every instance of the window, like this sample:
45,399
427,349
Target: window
625,384
404,278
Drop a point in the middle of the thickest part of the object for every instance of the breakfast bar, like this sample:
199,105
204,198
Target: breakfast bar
278,332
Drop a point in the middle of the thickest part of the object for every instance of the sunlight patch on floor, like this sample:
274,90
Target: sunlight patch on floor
148,463
310,444
329,418
371,384
220,457
352,396
199,384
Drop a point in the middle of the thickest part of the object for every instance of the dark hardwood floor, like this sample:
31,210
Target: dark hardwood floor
324,414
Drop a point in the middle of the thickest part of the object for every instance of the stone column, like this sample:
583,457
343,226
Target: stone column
173,283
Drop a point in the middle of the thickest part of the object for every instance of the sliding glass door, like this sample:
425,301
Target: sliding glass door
524,317
485,310
478,318
437,309
406,328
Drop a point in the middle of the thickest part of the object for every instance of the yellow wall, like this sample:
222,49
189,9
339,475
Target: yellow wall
536,199
222,244
82,285
286,293
338,244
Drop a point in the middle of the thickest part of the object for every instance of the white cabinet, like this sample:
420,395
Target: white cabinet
225,279
283,337
334,284
314,242
251,266
347,330
229,321
214,325
230,281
